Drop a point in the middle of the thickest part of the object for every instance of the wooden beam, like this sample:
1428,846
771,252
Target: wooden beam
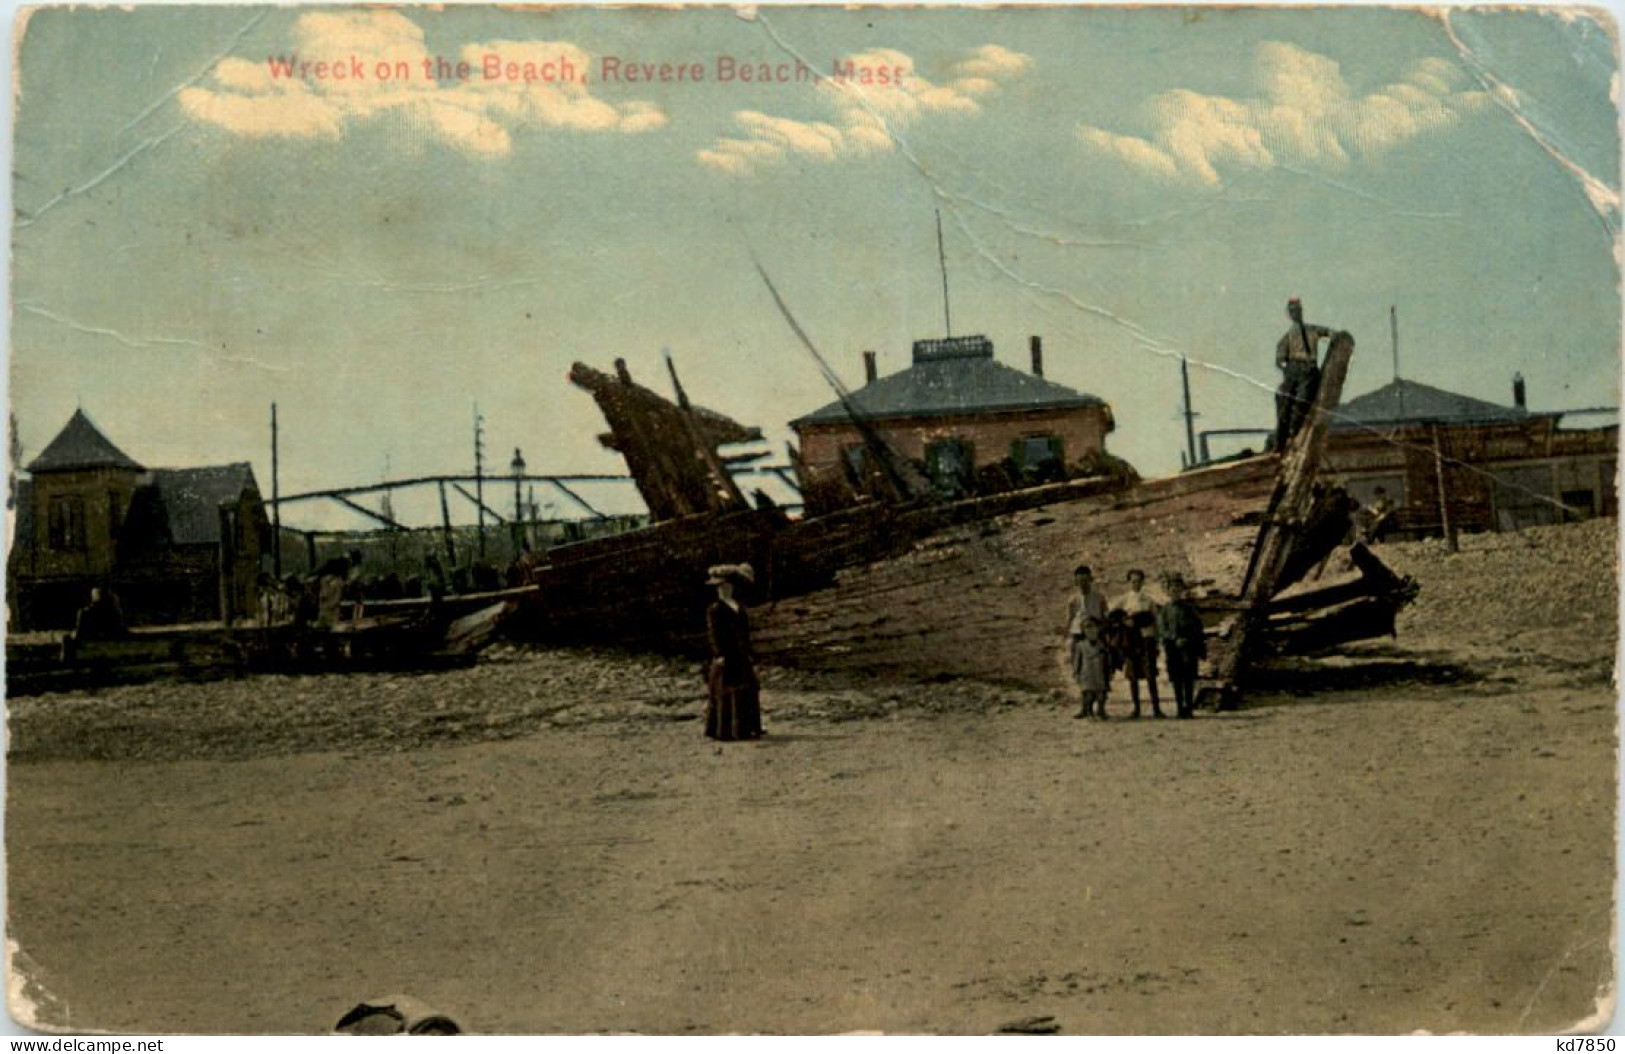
578,499
1290,509
478,503
784,476
418,481
363,510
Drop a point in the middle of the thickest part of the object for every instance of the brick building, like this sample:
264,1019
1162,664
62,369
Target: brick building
969,422
1449,460
177,545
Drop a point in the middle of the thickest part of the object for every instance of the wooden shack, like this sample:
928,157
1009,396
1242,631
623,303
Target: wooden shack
1450,462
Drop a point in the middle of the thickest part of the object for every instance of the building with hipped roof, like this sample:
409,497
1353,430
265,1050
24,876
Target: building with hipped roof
176,545
970,423
1448,461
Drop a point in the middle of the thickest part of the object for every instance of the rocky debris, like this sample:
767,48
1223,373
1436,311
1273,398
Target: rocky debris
1550,592
1044,1025
513,691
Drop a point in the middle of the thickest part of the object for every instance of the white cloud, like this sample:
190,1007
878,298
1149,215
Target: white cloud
864,114
478,116
986,66
1303,114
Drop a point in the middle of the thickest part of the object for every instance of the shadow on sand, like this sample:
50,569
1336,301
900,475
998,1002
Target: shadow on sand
1283,679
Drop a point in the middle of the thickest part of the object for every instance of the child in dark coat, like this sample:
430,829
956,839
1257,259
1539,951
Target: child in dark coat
1118,637
1184,643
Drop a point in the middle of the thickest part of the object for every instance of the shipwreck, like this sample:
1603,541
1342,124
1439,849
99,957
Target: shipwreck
1257,536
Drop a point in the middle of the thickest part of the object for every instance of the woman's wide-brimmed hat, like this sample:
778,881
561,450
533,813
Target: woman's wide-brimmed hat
720,573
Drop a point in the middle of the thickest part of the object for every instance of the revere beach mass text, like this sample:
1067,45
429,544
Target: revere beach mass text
494,67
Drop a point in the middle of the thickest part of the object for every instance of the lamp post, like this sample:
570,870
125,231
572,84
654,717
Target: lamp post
517,466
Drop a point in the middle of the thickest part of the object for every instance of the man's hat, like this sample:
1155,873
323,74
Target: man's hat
1294,302
720,573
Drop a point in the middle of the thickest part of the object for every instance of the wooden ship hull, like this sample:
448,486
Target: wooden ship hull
1256,537
401,641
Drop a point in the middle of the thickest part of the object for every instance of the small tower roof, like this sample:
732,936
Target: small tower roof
81,445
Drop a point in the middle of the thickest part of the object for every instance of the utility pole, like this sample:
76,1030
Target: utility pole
479,474
1190,415
1393,328
276,506
1444,499
942,260
517,466
445,530
387,503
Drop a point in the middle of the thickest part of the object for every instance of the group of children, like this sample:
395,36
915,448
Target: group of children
1128,635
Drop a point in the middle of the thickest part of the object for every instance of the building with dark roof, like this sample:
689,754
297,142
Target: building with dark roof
970,422
1450,462
1411,403
81,445
177,545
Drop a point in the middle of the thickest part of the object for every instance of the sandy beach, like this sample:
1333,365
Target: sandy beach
1414,833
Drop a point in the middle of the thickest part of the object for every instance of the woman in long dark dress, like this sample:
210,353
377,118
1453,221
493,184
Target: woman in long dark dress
735,708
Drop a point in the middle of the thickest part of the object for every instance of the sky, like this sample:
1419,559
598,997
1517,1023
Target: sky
197,236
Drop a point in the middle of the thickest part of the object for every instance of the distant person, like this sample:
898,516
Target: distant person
1085,630
522,572
266,589
276,605
302,595
1140,653
355,587
734,710
102,618
485,577
1297,356
389,587
1184,643
434,582
330,583
1118,639
1376,516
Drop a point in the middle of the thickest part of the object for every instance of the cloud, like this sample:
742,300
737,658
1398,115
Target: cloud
478,116
864,115
986,66
1303,114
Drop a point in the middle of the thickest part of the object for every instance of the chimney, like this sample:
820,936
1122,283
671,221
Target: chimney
869,372
1519,398
1037,343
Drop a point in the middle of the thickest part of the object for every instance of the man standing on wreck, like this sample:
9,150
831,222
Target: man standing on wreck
1297,356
